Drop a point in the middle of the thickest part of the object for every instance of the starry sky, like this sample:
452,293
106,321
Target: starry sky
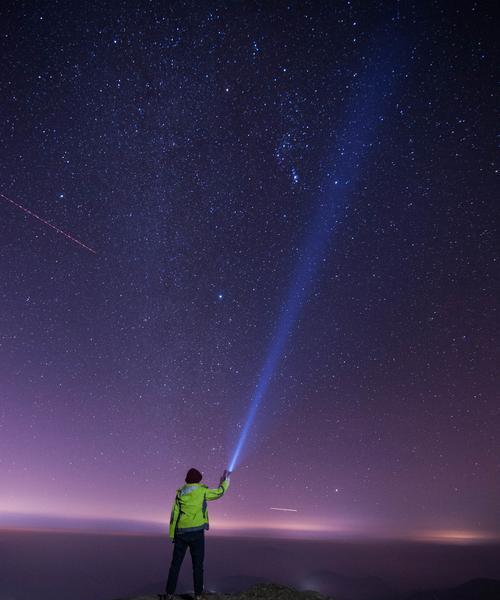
196,149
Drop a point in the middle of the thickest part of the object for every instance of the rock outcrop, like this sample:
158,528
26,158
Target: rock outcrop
268,591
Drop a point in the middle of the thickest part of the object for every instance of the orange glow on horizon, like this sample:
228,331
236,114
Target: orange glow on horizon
456,536
329,529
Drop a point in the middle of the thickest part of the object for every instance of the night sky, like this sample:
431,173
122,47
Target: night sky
207,152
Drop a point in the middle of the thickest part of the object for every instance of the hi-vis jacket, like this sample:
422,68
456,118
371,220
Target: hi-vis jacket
189,511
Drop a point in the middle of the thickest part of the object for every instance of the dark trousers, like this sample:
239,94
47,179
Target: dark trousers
195,541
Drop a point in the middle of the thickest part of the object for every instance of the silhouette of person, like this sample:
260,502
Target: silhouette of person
188,522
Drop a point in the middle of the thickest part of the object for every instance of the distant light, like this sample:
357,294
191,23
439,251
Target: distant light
455,536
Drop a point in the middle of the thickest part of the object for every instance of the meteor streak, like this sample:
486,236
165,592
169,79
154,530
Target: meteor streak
29,212
354,140
284,509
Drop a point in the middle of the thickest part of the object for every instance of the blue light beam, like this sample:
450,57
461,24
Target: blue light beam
372,92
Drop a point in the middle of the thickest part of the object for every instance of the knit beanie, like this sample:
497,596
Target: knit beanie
193,476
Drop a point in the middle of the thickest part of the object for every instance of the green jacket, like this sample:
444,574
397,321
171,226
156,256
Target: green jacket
189,511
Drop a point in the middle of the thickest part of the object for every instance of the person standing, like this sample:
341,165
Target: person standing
188,522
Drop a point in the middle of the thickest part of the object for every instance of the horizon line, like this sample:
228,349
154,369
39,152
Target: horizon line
160,529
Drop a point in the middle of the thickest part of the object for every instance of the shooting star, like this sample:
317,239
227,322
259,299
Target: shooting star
284,509
29,212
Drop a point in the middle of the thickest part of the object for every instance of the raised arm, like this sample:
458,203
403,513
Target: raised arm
216,493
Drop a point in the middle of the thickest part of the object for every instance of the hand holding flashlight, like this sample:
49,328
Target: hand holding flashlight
225,475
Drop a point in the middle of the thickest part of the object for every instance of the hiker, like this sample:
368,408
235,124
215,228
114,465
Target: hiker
188,522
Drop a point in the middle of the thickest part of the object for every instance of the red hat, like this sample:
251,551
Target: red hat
193,476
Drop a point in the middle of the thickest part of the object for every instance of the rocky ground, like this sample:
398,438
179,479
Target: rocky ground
477,589
258,592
